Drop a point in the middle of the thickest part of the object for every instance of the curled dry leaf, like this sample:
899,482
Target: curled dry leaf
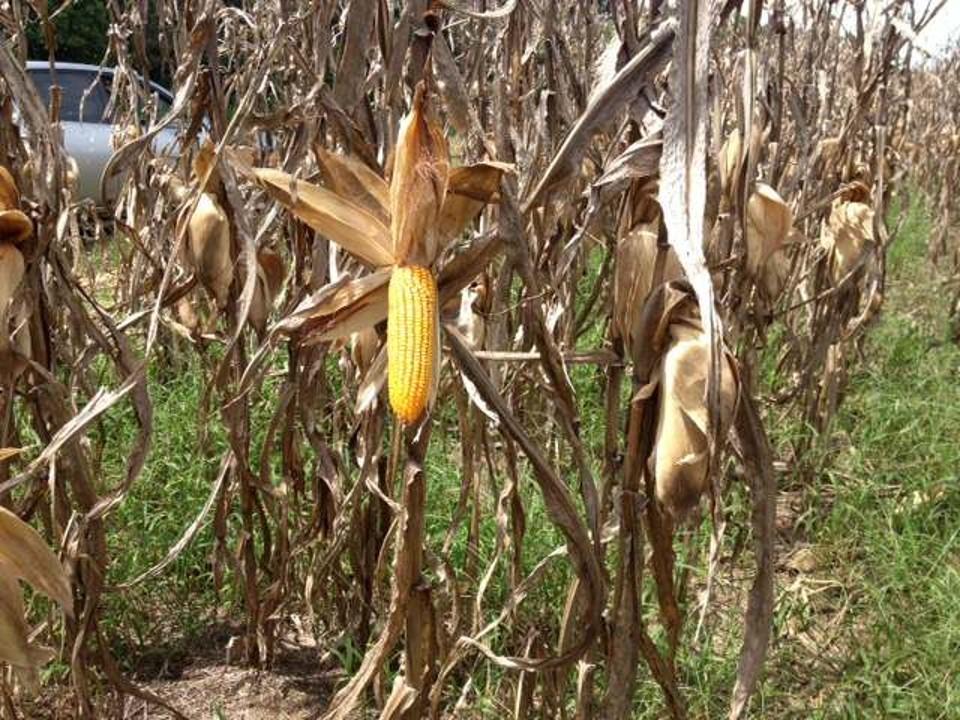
25,556
421,166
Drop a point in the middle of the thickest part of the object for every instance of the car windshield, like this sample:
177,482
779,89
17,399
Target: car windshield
80,88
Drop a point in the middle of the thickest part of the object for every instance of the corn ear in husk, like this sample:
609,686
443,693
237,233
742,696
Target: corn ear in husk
15,226
768,223
846,236
207,250
270,275
681,452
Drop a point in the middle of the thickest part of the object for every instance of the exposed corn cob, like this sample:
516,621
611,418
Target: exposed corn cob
411,340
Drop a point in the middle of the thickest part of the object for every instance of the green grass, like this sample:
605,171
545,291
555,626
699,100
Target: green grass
882,518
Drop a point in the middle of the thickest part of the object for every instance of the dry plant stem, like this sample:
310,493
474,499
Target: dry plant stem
758,618
624,642
408,563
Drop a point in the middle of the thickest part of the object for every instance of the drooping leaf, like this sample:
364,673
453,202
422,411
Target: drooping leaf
25,555
469,189
683,185
344,222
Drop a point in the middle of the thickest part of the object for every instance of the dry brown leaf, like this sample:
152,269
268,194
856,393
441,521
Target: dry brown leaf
344,222
26,556
470,187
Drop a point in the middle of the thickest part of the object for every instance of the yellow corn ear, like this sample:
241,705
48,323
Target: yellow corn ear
411,340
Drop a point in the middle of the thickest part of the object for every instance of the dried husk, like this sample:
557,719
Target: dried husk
418,185
351,178
769,220
207,251
828,150
730,161
270,275
470,322
732,156
636,260
469,189
681,454
15,226
343,221
364,345
846,236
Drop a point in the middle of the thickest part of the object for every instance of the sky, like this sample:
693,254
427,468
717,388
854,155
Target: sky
944,27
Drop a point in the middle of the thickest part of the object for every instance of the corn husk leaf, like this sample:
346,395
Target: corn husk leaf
418,185
849,231
346,223
207,251
469,189
769,220
340,308
351,178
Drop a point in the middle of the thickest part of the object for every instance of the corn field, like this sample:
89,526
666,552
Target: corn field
566,244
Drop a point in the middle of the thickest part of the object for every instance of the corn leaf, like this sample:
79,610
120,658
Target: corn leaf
349,177
24,555
344,222
469,189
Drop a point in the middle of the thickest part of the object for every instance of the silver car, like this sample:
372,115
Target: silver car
87,132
